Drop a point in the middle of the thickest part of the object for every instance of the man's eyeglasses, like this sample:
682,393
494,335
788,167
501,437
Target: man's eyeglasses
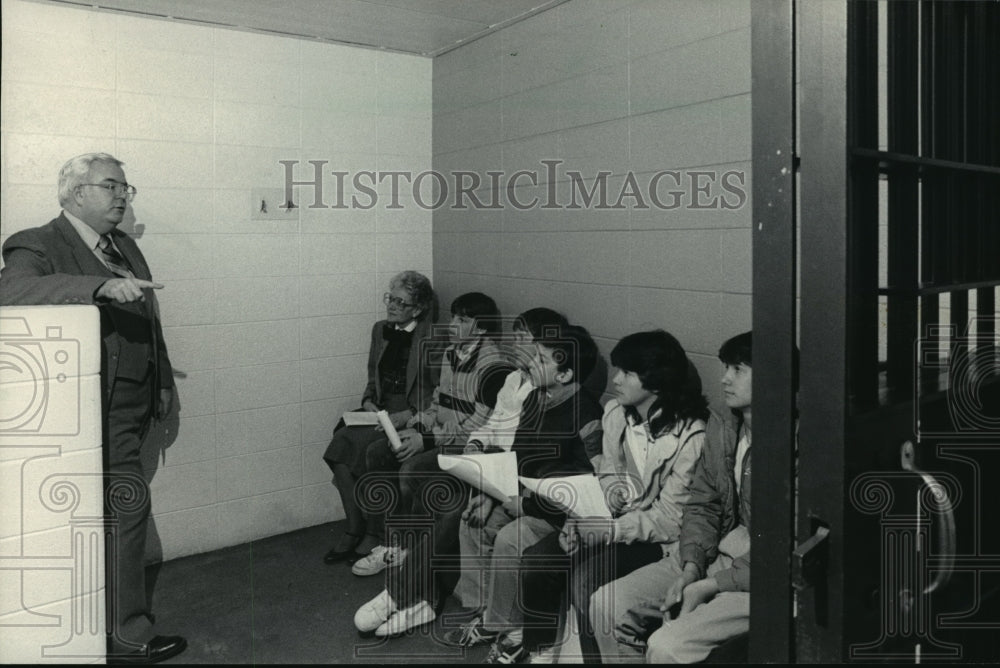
396,301
116,189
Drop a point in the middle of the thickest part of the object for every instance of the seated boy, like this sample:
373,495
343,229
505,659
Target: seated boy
502,425
558,433
462,401
709,603
411,590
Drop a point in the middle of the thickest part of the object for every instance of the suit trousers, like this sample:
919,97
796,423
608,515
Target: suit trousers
126,509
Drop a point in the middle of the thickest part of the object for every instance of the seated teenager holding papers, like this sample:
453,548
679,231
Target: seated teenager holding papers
558,434
653,435
526,328
471,373
551,430
399,382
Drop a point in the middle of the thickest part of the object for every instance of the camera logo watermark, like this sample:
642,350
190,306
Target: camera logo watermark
969,362
39,370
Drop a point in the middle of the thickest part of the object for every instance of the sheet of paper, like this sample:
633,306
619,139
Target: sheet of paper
390,431
578,495
495,473
360,419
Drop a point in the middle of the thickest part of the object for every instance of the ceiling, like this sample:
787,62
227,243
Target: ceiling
422,27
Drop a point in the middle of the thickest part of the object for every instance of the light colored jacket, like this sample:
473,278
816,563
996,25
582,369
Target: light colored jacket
655,515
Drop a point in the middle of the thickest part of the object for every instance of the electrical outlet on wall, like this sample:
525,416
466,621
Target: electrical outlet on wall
270,204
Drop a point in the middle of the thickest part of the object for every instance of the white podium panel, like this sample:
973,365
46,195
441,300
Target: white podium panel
51,484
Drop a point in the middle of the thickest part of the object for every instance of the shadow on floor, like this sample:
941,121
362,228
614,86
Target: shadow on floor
275,601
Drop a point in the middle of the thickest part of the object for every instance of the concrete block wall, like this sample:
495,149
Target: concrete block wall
621,87
267,321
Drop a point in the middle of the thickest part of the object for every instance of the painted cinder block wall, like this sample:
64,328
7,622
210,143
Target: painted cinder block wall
604,86
267,322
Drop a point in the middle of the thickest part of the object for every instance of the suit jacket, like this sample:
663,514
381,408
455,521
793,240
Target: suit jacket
52,265
421,378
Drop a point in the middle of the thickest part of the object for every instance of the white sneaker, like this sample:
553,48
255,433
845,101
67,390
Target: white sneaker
373,614
372,563
409,618
395,556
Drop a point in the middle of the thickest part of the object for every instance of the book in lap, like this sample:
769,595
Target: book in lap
360,419
370,419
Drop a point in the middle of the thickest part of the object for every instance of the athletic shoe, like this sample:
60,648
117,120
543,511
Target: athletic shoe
372,563
504,651
402,621
470,634
375,612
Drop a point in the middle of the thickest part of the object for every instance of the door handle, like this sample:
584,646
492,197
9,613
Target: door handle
944,510
809,560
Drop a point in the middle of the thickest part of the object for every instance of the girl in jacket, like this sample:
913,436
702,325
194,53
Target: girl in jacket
653,434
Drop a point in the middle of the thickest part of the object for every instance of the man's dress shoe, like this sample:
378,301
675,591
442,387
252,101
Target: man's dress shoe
158,649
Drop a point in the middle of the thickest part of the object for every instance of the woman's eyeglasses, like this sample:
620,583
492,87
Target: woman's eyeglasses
396,301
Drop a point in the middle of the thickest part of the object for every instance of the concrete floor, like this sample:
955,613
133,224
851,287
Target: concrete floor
275,601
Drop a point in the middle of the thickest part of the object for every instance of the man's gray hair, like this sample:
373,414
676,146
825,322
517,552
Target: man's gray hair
75,171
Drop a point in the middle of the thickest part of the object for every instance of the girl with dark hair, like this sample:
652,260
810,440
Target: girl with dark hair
653,434
653,374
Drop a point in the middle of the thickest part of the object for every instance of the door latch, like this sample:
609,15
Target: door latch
809,560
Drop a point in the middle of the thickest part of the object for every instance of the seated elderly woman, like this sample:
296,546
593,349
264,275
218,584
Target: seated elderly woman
400,381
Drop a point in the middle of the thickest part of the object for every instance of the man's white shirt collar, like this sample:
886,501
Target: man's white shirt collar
86,232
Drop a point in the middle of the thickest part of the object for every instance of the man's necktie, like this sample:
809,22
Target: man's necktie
116,263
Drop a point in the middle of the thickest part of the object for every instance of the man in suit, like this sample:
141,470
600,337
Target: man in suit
81,257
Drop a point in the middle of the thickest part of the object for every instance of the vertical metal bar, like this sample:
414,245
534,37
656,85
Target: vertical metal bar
774,324
862,345
986,22
984,139
975,259
989,18
963,256
822,397
950,126
903,193
986,313
959,321
930,199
